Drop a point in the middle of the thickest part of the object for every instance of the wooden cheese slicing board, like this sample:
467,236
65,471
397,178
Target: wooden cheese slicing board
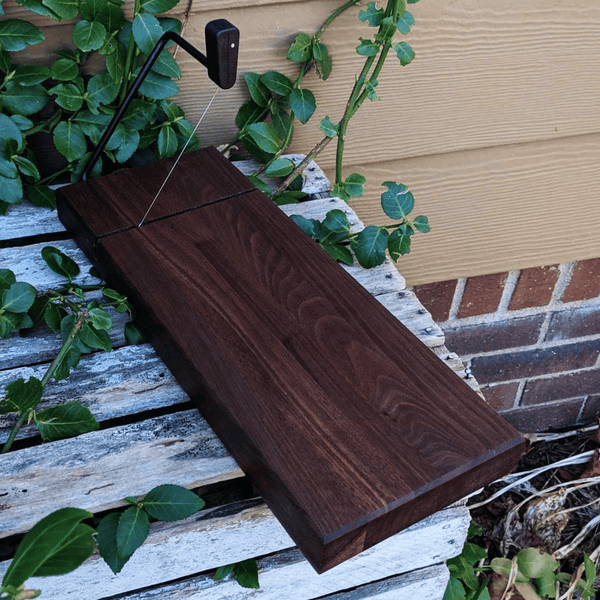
348,426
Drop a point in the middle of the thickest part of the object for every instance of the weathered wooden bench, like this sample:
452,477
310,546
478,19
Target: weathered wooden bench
150,434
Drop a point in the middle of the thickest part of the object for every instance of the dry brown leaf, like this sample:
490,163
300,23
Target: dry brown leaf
593,468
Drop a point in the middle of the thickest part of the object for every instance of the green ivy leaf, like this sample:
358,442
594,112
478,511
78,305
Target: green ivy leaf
328,128
397,202
111,16
30,75
354,185
249,113
129,144
307,225
370,87
264,136
70,361
115,62
93,125
158,87
68,96
139,114
303,103
421,224
171,503
367,48
23,123
277,83
107,542
100,319
65,69
101,89
246,573
454,590
23,100
387,29
7,278
323,60
56,545
158,6
405,53
90,9
22,396
405,22
222,572
18,298
69,140
5,61
89,35
16,35
11,189
60,263
53,315
65,9
399,244
133,335
166,65
95,338
64,421
132,530
339,252
10,131
281,167
27,167
301,48
167,142
337,221
532,563
257,89
282,121
146,32
370,245
372,14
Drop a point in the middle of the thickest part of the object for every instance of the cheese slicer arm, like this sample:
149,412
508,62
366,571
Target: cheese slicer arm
222,43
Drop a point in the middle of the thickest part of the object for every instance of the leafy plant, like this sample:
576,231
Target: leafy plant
75,108
244,572
60,542
266,125
83,324
530,575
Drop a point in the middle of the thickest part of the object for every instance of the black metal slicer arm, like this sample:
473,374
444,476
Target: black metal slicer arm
222,42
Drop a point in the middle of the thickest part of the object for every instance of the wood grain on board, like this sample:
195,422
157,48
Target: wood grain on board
349,427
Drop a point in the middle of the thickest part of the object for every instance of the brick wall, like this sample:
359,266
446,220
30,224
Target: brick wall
531,338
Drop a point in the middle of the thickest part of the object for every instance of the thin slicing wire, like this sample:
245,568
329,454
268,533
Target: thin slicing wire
177,159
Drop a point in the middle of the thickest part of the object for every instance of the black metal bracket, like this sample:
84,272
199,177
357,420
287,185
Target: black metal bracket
222,46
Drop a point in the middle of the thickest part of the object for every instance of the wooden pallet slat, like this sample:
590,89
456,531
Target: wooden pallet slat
215,537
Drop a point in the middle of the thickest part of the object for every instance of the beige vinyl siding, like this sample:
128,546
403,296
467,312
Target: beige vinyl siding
492,126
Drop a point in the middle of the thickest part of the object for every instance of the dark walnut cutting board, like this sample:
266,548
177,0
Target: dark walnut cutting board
348,426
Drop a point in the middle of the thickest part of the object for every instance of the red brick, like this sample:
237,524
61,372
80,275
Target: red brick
437,297
576,322
517,365
501,397
591,408
569,385
482,294
585,281
544,417
500,335
534,287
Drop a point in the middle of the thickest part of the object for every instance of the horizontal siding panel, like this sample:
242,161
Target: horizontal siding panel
485,74
496,209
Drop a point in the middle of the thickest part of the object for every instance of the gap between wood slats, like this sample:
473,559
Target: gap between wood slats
496,209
